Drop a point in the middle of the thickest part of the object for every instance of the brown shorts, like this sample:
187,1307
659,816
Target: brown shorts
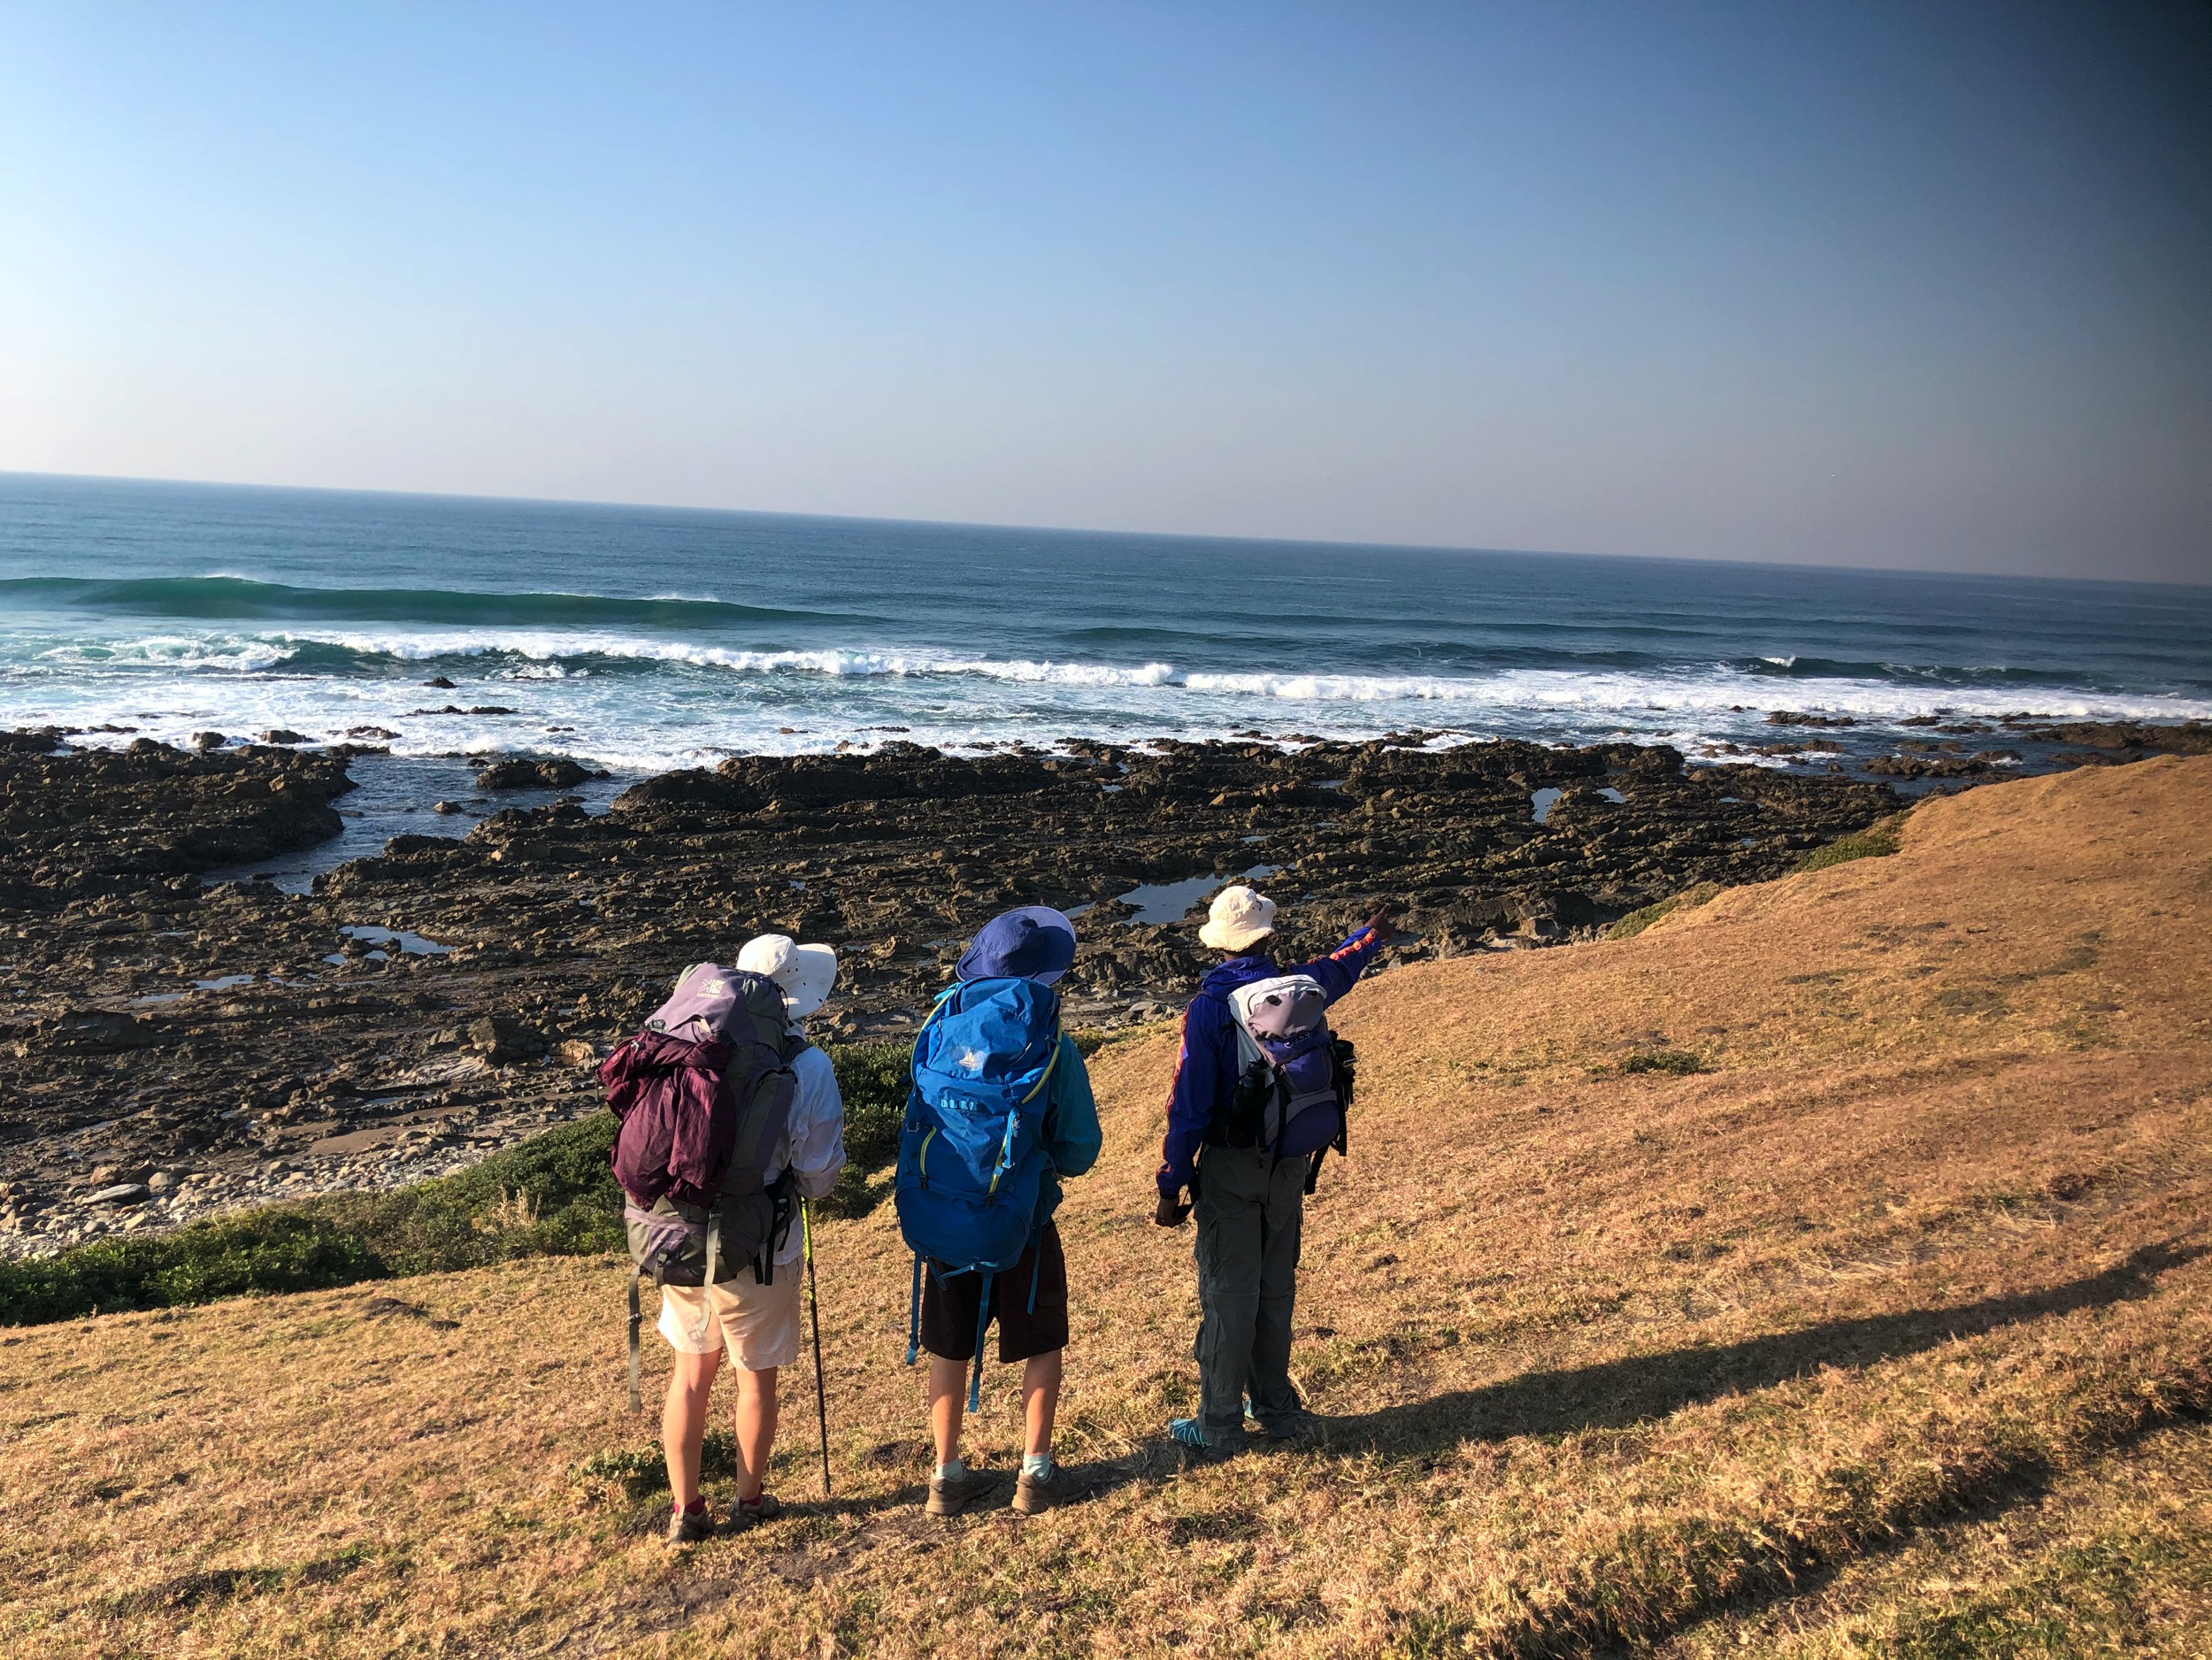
949,1307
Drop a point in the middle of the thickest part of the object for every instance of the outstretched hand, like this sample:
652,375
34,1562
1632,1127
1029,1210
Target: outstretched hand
1383,922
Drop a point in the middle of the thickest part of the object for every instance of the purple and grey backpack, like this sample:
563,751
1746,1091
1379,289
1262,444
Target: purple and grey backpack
704,1096
1294,1080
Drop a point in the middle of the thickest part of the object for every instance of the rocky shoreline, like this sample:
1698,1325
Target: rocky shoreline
171,1049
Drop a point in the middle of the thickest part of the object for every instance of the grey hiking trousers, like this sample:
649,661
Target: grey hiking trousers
1249,1211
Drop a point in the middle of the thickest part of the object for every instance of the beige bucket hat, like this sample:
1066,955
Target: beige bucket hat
1238,918
806,973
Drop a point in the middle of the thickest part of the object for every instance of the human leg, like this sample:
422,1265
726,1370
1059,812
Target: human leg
755,1430
1230,1213
684,1421
760,1323
1275,1400
1041,1400
947,1387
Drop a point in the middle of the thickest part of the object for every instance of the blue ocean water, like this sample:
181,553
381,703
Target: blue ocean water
642,638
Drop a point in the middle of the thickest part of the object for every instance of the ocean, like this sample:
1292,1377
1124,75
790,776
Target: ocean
639,638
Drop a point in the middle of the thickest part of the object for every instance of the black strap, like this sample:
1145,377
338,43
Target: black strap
914,1315
636,1404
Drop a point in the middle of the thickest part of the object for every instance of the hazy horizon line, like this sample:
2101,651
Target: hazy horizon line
1733,561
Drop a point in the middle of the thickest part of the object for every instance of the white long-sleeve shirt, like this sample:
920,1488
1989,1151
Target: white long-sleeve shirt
813,1145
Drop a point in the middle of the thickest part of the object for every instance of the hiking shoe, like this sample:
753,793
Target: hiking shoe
688,1528
951,1495
1192,1440
747,1514
1299,1429
1033,1494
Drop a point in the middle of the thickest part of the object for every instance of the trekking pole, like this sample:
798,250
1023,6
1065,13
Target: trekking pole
814,1313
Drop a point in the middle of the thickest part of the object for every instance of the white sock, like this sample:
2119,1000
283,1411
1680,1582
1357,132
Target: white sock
957,1467
1037,1464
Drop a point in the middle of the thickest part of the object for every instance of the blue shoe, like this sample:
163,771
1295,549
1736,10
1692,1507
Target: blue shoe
1198,1447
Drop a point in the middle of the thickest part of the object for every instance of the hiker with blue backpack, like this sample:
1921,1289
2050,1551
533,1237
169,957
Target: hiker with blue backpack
730,1121
1261,1090
1000,1111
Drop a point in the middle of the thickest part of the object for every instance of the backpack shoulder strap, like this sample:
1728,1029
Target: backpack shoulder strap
1051,1061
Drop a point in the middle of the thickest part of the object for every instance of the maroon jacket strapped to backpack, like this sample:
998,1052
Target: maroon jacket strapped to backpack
674,1140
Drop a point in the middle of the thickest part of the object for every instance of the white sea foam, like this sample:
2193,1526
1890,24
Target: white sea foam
172,683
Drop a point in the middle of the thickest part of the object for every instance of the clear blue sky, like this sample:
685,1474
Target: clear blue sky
1921,284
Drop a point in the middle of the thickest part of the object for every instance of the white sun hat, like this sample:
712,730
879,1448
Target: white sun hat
804,972
1238,918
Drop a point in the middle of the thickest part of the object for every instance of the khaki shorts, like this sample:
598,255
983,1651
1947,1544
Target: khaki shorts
757,1324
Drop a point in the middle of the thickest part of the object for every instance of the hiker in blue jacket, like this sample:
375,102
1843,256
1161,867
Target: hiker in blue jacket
1250,1204
1029,1301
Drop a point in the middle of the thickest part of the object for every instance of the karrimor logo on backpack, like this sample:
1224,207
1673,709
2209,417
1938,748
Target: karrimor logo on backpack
1295,1073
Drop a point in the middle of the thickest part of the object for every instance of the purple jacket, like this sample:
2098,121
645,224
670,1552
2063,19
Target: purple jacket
679,1124
1206,1070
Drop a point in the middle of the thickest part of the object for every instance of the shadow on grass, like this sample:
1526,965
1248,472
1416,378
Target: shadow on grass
1619,1393
1613,1395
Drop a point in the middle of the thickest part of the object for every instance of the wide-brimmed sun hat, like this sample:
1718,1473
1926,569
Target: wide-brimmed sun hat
1238,918
805,973
1034,943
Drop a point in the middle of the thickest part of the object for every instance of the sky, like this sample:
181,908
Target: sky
1925,285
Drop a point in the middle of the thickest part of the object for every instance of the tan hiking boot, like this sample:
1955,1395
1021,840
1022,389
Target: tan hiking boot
1033,1494
951,1495
688,1528
747,1514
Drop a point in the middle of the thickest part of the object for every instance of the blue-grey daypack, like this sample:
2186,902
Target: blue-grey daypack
973,1154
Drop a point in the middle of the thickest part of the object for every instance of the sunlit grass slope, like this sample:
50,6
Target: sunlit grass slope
1609,1349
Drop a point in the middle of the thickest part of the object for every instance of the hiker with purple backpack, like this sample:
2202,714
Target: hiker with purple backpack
1259,1097
730,1121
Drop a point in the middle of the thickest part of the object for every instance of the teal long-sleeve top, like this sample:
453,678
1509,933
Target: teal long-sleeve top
1072,1134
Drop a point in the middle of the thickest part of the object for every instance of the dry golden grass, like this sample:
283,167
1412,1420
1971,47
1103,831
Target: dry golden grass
2109,1561
1601,1350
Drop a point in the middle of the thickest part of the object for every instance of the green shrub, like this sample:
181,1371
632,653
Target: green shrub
872,1078
1672,1062
643,1471
1877,841
1636,921
552,1196
286,1249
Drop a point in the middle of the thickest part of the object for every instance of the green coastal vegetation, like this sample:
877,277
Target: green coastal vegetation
1876,841
551,1196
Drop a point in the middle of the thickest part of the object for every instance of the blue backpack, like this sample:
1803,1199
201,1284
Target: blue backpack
973,1154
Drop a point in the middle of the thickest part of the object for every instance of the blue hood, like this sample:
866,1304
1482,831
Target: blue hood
1237,971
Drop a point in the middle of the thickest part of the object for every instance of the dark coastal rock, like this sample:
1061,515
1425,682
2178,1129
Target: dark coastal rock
522,772
209,1030
2120,740
104,820
98,1030
283,735
501,1040
1930,766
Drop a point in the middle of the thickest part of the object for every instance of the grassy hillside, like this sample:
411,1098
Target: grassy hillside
1871,1334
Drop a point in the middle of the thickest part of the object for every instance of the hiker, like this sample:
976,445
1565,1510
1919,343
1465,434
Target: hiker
1259,1095
1017,1117
722,1246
